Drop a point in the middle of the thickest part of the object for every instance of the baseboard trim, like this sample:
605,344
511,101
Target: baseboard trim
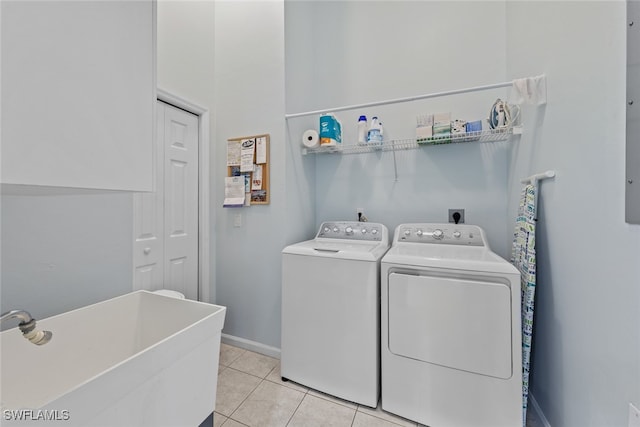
251,345
539,414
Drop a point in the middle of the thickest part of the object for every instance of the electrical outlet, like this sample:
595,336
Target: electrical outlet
459,211
634,416
359,213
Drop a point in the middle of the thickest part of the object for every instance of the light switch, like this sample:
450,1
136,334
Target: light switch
237,220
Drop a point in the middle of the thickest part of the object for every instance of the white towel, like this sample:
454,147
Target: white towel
531,90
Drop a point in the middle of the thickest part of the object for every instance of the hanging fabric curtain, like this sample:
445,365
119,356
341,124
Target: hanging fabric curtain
523,256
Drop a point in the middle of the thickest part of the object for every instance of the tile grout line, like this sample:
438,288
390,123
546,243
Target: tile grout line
389,421
252,391
306,393
236,359
247,373
235,421
353,420
380,418
244,400
320,395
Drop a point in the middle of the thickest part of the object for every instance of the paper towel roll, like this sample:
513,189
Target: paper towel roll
310,139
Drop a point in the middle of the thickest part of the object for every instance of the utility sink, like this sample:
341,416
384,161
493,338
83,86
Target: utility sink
140,359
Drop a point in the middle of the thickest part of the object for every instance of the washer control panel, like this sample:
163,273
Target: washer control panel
446,234
353,230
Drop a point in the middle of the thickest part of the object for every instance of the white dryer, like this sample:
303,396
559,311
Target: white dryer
451,336
331,310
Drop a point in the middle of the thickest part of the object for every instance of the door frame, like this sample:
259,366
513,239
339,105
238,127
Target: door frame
203,185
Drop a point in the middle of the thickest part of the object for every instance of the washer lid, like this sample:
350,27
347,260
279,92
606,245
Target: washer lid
469,258
341,249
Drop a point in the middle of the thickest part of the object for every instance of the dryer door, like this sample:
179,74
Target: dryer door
461,322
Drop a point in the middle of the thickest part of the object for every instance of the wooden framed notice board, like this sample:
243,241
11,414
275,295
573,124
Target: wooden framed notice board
248,156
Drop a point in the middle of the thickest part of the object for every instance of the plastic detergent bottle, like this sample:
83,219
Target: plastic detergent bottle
330,130
375,131
362,130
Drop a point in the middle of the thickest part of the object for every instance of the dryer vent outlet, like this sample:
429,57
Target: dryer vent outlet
456,216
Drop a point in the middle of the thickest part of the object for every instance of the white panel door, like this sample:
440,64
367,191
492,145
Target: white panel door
181,201
166,221
148,222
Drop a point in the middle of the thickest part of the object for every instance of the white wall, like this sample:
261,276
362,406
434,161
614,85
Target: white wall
249,88
586,362
586,354
186,69
64,251
249,85
382,50
64,248
300,67
186,50
586,365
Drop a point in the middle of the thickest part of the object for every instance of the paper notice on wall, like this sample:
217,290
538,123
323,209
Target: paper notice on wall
233,153
246,156
247,189
234,196
261,150
256,182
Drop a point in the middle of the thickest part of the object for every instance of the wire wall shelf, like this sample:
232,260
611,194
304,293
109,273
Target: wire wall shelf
492,135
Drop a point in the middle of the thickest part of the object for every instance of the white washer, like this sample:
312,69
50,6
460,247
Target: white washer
451,337
331,310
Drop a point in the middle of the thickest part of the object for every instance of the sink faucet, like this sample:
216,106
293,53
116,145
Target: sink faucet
28,326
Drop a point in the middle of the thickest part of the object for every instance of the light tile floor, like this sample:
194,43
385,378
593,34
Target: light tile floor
251,393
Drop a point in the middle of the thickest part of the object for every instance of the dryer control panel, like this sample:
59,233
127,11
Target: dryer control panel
443,234
353,230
